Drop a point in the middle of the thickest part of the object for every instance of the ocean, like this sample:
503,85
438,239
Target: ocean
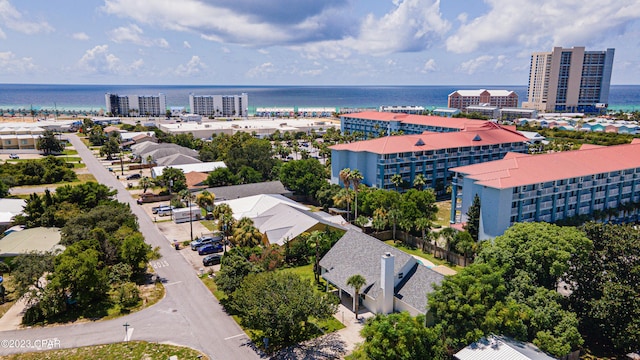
91,97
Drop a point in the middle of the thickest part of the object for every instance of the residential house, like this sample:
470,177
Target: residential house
395,280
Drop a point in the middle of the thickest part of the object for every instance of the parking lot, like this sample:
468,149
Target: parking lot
172,231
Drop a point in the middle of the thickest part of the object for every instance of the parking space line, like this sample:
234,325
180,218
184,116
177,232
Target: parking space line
235,336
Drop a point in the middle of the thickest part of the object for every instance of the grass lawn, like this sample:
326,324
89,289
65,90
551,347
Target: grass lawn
426,256
444,213
130,350
209,224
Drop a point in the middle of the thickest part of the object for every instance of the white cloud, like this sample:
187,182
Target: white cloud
544,23
134,34
10,64
260,70
471,66
429,66
14,20
186,45
225,50
411,26
80,36
193,67
99,60
263,51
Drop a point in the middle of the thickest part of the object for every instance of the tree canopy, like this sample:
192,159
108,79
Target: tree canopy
280,305
49,144
303,177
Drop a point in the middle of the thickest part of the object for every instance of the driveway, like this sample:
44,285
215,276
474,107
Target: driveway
188,315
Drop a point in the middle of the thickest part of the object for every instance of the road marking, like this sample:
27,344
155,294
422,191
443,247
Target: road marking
127,337
235,336
159,264
173,283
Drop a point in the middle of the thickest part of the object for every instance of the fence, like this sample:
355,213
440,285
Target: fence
425,246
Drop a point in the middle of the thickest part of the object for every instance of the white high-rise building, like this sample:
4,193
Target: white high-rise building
136,105
570,80
220,105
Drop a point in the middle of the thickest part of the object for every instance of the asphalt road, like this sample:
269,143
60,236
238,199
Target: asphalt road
189,314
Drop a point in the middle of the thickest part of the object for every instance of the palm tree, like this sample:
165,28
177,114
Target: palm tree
419,181
146,183
205,199
355,177
406,225
394,216
422,224
316,240
345,177
342,198
356,281
449,235
396,179
247,235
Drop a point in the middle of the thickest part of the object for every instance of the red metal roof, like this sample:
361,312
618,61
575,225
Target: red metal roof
488,134
518,171
441,121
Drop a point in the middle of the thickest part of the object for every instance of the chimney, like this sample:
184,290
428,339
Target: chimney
387,283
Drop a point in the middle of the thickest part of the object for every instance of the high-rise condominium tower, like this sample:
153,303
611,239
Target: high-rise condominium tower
570,80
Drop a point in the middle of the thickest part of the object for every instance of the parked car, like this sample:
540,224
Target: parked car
165,210
157,209
14,156
195,244
210,249
134,176
212,259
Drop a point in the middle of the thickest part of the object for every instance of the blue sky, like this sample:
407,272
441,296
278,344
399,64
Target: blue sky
305,42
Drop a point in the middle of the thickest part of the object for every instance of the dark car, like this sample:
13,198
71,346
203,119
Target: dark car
14,156
210,249
195,244
134,176
212,259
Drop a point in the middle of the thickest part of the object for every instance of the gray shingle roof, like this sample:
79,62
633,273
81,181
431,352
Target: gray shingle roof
245,190
416,285
358,253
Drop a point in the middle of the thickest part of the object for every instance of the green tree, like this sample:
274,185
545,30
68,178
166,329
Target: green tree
247,235
233,269
28,273
397,181
403,337
248,175
280,305
356,281
355,178
473,218
604,283
394,216
135,253
419,181
303,177
49,144
110,147
173,179
205,200
146,183
222,177
465,245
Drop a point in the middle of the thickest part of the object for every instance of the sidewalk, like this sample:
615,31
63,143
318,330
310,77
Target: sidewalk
12,319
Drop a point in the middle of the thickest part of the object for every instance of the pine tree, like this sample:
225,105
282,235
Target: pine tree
473,218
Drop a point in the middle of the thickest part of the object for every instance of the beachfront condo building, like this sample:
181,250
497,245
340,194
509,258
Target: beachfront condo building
429,154
594,182
220,105
371,124
136,105
570,80
462,99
